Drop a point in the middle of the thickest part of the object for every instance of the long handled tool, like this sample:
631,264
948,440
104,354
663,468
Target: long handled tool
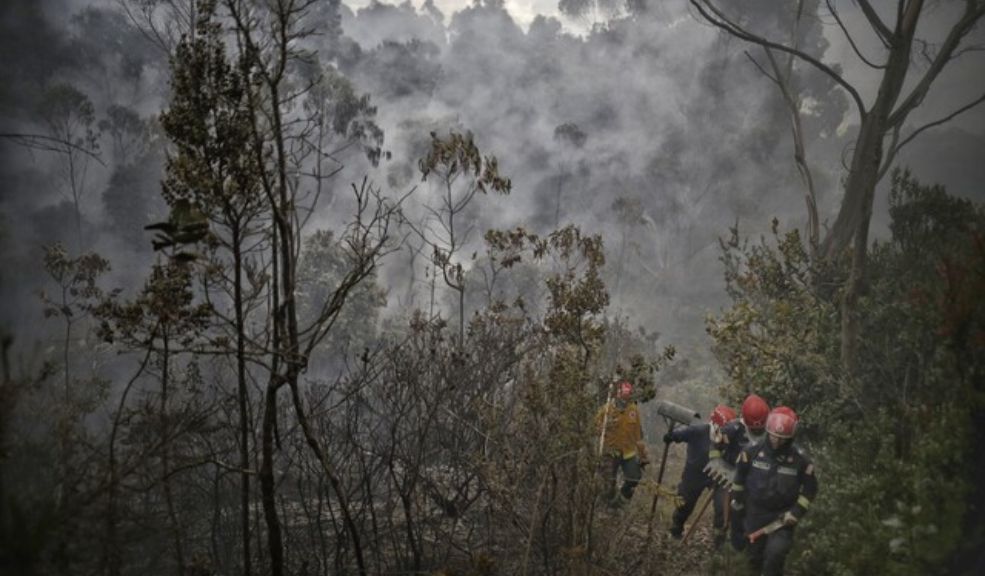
605,417
673,414
656,494
727,497
701,511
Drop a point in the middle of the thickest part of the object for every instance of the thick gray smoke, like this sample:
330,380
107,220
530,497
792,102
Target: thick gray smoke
647,126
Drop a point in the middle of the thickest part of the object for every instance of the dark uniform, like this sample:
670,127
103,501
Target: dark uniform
769,483
731,439
694,480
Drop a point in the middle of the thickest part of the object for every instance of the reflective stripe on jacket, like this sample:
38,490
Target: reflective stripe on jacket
772,482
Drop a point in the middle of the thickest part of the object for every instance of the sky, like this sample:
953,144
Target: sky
523,11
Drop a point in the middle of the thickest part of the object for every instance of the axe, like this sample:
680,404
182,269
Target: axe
767,530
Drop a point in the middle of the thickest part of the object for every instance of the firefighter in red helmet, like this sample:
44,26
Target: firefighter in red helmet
774,486
699,437
728,443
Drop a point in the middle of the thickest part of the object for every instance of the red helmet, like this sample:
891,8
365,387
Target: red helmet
721,415
754,412
782,423
787,410
624,389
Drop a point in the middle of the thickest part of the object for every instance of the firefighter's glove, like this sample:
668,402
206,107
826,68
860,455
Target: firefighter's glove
643,452
789,519
668,438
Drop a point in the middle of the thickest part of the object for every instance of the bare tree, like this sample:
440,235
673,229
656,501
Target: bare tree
881,121
450,159
72,132
271,36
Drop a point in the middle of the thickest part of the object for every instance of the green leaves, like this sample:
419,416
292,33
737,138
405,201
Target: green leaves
893,454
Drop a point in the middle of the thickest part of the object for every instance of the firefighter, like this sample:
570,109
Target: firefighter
699,438
774,486
622,444
727,445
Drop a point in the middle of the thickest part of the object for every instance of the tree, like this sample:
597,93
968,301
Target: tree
129,134
883,118
449,159
629,215
72,132
570,138
324,262
594,12
919,373
271,41
162,322
213,169
77,292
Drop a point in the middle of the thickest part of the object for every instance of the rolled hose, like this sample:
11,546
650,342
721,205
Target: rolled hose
677,413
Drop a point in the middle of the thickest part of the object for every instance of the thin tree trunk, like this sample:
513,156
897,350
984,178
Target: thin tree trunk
333,478
461,315
166,455
849,305
557,200
244,429
268,497
112,557
267,489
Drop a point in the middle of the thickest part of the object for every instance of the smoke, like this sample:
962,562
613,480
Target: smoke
682,137
672,119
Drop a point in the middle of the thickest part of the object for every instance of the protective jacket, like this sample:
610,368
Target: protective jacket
694,480
698,438
623,428
769,483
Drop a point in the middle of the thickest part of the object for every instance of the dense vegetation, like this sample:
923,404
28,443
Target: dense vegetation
285,372
895,444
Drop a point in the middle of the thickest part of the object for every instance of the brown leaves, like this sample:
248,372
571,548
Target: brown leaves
458,155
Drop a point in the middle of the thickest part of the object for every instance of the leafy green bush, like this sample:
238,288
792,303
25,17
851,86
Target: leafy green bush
894,444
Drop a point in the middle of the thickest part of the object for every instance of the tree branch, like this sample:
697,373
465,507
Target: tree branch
724,23
882,31
851,40
761,69
961,28
895,148
50,144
